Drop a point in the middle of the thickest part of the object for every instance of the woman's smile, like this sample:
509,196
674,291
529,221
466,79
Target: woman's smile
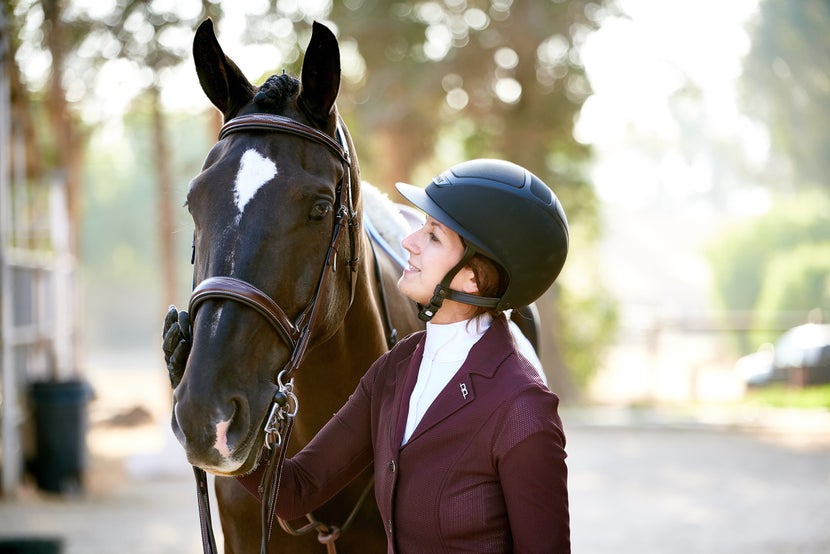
434,249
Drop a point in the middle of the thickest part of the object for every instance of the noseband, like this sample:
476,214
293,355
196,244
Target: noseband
296,334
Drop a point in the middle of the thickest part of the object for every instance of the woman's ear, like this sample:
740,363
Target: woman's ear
468,281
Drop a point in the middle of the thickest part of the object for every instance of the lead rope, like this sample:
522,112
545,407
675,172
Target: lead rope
327,534
203,498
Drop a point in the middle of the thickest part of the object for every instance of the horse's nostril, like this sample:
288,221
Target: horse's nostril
232,431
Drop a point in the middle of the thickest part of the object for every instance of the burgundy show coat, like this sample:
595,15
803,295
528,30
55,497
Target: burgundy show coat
484,471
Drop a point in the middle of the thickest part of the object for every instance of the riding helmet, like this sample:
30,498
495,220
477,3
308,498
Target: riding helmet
506,213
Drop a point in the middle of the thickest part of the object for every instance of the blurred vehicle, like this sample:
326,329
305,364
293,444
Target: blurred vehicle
800,357
756,369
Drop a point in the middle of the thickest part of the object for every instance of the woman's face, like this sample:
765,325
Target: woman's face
433,250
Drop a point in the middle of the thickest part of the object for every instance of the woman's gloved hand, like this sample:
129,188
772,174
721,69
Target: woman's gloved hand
176,344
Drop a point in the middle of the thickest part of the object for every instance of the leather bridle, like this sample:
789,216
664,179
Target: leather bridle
297,333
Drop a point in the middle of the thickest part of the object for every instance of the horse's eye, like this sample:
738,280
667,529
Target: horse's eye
320,210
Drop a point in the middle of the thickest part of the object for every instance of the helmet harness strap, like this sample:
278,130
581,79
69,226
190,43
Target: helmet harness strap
444,292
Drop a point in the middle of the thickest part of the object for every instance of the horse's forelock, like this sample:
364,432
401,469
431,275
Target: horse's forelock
277,91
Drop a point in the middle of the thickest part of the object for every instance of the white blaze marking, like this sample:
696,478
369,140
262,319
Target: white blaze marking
254,171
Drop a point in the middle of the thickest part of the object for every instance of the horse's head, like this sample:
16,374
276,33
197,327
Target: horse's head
271,196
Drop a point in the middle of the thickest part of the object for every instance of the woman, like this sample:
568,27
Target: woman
466,442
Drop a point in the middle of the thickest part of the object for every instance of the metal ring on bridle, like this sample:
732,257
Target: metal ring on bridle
284,407
288,390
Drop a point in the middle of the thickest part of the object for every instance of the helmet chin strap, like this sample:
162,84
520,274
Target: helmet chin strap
444,292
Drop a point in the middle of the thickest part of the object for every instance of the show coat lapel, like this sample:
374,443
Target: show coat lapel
484,358
407,377
448,401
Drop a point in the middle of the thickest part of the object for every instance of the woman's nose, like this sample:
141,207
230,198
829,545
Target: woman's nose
409,242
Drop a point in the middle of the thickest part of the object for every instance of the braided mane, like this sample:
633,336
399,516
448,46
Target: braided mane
277,91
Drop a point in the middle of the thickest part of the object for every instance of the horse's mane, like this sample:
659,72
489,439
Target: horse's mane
276,91
386,220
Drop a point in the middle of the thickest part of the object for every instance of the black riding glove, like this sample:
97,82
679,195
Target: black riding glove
176,343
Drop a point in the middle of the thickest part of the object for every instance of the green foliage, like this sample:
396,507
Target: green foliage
796,280
775,263
589,321
782,396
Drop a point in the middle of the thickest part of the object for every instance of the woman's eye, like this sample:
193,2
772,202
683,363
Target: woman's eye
320,210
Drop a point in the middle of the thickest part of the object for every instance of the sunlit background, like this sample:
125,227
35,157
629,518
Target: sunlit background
686,139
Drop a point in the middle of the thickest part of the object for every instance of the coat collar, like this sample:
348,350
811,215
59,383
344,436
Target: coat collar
484,359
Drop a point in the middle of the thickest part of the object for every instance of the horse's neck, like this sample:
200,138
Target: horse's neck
333,368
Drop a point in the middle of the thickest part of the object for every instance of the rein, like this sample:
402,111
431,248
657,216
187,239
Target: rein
296,334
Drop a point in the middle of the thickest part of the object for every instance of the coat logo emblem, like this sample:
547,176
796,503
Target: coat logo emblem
464,392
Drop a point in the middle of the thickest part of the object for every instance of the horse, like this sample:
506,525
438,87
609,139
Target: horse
278,222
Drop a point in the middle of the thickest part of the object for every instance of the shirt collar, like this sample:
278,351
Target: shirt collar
452,341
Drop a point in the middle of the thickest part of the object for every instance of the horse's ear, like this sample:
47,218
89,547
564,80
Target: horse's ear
321,73
223,82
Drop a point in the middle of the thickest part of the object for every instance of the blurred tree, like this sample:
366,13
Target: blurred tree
21,102
426,84
797,279
785,84
501,78
767,267
429,84
155,38
482,78
62,153
120,263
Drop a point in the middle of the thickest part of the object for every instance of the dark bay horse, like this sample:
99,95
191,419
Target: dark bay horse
266,206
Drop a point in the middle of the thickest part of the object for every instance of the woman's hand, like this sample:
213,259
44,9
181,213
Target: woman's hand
176,343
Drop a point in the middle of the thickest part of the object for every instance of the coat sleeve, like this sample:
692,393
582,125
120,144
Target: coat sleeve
534,475
339,452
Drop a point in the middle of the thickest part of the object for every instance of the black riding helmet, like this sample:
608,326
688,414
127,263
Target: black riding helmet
505,212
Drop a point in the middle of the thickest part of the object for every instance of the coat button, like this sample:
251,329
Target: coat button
392,466
389,526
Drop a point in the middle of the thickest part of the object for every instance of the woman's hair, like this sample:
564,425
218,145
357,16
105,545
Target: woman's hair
491,279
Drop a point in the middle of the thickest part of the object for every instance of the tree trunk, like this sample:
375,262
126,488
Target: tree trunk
161,156
68,142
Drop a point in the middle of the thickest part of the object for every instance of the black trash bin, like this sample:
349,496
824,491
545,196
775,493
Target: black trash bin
60,419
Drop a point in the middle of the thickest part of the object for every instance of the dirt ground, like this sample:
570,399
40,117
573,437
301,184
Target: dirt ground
641,481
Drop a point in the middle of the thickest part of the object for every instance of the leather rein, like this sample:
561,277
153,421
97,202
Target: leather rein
296,334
